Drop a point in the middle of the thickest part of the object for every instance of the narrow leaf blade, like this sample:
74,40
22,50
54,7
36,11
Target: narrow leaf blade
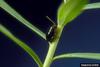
92,6
95,56
21,44
69,11
16,15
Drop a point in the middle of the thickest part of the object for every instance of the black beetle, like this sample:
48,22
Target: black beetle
52,31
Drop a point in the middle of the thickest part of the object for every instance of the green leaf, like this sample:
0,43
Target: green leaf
69,11
16,15
92,6
79,55
21,44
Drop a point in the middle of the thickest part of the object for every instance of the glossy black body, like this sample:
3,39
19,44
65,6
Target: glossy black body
51,33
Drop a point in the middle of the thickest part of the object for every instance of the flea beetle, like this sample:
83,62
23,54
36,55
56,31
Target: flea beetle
52,31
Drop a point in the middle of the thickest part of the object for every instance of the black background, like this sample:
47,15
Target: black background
81,35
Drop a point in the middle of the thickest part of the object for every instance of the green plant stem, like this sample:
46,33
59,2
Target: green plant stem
52,48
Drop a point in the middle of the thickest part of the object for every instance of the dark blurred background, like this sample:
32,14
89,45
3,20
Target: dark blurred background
81,35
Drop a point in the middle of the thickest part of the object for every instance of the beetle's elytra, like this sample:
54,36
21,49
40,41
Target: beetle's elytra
51,33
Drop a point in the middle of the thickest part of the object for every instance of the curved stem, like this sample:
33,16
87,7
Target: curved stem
52,48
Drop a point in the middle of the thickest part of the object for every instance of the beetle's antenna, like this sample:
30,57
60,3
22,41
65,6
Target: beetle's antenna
50,20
